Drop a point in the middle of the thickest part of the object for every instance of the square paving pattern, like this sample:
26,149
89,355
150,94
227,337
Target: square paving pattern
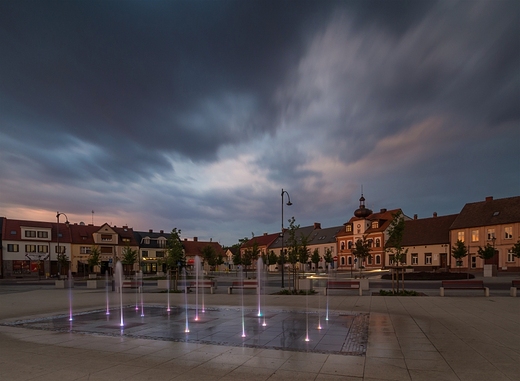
345,334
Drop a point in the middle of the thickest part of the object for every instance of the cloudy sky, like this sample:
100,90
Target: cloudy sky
195,114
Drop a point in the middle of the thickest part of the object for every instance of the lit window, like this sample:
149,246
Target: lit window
30,248
375,225
460,236
474,236
349,228
508,232
12,247
491,233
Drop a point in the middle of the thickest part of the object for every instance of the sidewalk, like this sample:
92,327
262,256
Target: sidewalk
410,338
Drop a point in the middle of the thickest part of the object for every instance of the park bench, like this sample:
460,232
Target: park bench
343,285
515,284
463,285
244,285
132,283
211,284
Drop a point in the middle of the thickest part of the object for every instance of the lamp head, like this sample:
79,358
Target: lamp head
289,203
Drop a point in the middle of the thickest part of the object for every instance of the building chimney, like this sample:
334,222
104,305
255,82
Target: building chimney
161,231
125,226
265,234
434,214
185,239
317,225
195,239
415,216
489,198
383,210
150,230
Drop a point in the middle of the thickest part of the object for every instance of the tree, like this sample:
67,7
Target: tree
394,244
250,255
328,257
175,258
129,256
303,253
293,247
94,259
361,251
273,258
459,251
315,258
487,252
63,261
516,249
211,256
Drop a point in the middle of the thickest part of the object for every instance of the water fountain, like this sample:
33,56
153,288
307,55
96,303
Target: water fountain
140,285
119,280
259,268
107,285
70,285
187,327
242,294
168,286
197,269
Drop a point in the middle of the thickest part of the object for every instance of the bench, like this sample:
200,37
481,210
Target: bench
515,285
211,284
463,285
244,285
132,284
343,285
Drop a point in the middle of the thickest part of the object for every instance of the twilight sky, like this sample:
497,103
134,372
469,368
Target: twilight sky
195,114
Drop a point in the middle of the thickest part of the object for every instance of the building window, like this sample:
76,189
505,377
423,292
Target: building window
106,237
473,262
369,259
146,240
349,245
145,253
127,240
491,233
62,249
415,259
106,250
508,232
375,225
378,242
30,234
42,234
474,235
378,259
342,245
159,254
403,259
161,242
349,228
428,258
510,256
349,260
12,247
84,250
460,236
30,248
391,258
43,249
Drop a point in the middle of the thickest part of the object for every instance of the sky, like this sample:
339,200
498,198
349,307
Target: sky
196,114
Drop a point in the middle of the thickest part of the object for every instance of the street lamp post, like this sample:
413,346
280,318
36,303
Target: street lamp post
282,255
58,214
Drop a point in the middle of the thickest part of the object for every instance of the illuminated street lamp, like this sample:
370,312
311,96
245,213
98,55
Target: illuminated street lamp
282,255
58,214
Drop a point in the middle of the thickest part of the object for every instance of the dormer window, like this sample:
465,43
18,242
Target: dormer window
375,224
349,227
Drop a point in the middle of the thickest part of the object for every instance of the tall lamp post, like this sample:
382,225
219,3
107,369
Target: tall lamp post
282,255
58,214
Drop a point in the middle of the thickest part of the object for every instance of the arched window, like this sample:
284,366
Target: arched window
342,245
378,259
378,242
349,260
349,245
369,259
342,261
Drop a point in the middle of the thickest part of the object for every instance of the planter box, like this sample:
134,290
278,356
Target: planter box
305,284
96,283
64,283
163,284
490,270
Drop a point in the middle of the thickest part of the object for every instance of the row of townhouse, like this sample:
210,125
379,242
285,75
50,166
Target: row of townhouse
428,241
31,248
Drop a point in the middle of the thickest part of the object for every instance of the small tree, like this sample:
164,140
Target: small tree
486,252
293,247
175,258
459,251
328,257
129,257
315,258
516,249
394,245
211,256
63,261
361,251
94,259
249,255
273,258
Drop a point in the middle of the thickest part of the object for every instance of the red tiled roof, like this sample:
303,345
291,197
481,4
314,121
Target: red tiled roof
428,231
262,240
193,248
383,217
16,225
